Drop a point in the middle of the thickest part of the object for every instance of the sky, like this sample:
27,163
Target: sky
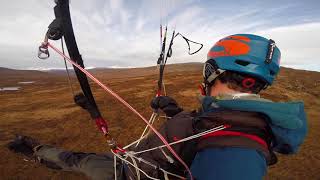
119,33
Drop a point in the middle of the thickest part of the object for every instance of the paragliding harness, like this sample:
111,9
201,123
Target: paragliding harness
261,136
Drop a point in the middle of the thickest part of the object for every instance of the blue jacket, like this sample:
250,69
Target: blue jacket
288,125
229,164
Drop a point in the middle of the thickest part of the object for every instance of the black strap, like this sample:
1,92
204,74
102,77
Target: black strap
188,40
62,14
162,65
160,173
162,60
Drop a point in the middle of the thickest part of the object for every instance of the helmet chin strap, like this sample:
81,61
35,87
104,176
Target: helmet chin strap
207,89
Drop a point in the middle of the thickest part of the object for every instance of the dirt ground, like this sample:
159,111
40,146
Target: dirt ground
45,110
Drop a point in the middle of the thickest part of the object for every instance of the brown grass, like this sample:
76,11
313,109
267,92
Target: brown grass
45,110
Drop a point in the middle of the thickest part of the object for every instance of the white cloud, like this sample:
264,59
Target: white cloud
299,44
126,33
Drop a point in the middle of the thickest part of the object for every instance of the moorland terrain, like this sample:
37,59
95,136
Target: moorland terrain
45,110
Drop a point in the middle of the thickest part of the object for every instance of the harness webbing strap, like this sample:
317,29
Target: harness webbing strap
234,133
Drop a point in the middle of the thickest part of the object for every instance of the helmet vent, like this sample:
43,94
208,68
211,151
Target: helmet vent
242,63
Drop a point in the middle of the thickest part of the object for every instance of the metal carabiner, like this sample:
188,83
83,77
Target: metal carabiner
43,52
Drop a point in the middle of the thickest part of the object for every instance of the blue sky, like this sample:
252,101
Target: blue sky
118,33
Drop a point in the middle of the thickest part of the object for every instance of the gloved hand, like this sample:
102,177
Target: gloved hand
168,105
82,101
24,145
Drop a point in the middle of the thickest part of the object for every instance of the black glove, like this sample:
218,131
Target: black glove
82,101
24,145
168,105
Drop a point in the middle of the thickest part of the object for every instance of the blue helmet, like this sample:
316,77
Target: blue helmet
244,53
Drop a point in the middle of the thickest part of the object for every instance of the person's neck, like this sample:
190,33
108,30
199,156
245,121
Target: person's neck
223,90
236,95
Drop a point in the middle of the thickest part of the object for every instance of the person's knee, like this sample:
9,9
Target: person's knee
97,166
93,165
48,152
50,157
73,158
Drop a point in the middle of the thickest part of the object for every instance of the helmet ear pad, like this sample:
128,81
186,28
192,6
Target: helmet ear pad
248,83
242,82
211,71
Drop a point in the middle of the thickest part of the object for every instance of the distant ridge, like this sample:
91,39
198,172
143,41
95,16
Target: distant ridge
8,71
115,71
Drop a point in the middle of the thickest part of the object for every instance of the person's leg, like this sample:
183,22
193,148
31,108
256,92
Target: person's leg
93,165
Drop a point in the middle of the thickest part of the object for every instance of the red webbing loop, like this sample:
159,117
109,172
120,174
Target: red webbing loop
234,133
102,125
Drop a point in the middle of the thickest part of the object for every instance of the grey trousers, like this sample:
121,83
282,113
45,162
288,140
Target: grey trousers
95,166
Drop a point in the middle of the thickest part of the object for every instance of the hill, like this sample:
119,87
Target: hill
46,110
10,77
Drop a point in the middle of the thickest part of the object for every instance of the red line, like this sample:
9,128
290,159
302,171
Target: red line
233,133
126,104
